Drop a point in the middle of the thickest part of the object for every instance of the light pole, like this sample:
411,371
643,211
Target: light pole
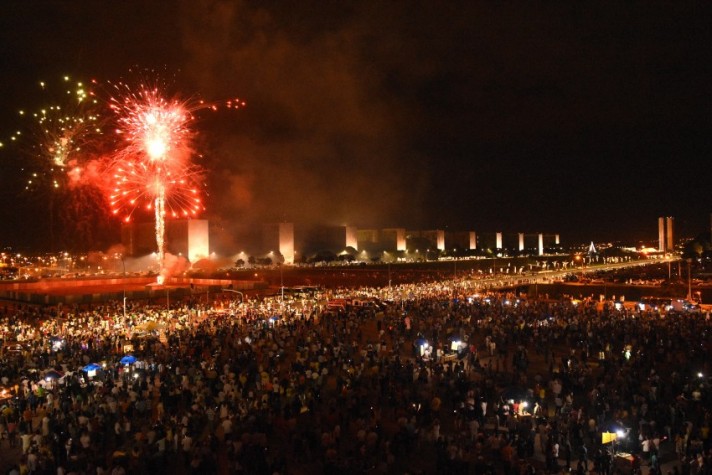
580,259
242,296
281,281
123,283
689,279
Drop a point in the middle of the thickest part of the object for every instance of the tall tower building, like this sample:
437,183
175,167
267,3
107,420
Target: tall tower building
666,240
280,237
669,240
541,244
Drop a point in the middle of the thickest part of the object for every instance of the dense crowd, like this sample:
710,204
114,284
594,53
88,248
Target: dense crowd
265,387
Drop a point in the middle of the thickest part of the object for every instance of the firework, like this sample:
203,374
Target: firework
59,132
67,130
61,135
146,164
152,167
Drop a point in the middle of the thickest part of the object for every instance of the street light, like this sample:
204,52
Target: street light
689,279
388,266
123,283
242,296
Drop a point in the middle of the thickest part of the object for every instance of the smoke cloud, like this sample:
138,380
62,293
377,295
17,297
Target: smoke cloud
319,141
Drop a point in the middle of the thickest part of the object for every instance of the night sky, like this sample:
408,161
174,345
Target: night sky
587,120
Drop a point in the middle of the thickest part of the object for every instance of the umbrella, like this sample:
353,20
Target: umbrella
91,367
52,374
128,359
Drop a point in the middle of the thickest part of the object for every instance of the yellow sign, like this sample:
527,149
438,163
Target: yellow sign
608,437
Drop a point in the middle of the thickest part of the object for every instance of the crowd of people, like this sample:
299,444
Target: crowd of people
273,387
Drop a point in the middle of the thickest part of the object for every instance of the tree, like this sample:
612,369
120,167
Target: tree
695,248
277,257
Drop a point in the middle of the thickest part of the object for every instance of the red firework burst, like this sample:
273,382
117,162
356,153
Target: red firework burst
153,159
137,184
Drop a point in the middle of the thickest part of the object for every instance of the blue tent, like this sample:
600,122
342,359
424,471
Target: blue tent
128,359
91,367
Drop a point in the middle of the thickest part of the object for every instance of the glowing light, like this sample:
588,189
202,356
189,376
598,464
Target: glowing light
156,148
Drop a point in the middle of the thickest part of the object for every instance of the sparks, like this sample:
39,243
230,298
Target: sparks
61,135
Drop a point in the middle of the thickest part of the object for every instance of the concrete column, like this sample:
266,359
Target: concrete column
351,237
400,239
669,241
661,234
286,242
198,239
440,240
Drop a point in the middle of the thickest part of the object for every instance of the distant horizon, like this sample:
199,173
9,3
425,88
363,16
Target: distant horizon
566,243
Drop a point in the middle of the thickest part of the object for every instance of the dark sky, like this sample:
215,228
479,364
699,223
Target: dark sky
585,120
